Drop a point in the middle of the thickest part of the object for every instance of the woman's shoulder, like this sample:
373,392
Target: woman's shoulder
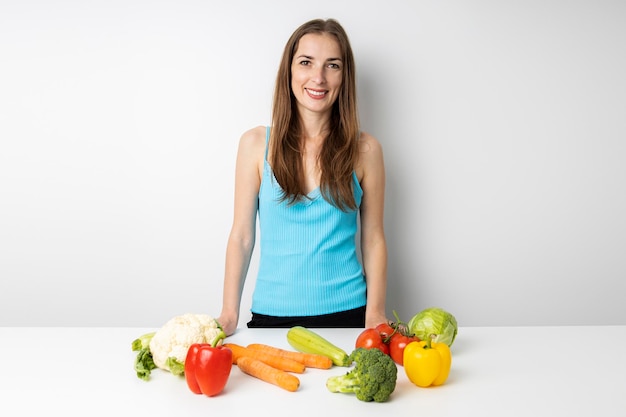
254,134
369,145
370,156
253,138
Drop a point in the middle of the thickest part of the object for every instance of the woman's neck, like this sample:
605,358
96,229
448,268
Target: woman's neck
314,126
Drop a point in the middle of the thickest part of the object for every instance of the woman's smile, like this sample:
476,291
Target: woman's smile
316,94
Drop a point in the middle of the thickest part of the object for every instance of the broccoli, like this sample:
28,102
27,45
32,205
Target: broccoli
373,377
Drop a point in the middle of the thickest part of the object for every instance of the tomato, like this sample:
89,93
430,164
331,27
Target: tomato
371,338
397,343
385,331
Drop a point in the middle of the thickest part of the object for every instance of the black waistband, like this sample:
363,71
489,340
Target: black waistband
350,318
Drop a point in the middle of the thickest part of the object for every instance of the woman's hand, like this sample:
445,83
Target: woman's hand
371,321
228,323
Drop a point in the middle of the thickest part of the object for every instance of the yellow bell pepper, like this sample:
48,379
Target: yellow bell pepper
427,363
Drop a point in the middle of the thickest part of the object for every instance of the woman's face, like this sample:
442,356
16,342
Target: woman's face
316,72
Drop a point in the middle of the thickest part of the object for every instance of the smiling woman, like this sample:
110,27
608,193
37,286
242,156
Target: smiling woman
309,177
316,73
503,132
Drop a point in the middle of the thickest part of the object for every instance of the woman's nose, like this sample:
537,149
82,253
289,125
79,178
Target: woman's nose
319,75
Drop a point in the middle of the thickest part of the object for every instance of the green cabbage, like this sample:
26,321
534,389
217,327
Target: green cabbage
434,323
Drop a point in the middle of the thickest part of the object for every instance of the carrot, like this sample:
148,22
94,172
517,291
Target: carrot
267,373
278,362
310,360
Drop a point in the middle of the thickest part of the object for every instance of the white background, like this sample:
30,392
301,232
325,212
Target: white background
503,125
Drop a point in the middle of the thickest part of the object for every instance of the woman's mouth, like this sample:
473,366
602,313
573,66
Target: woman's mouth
316,94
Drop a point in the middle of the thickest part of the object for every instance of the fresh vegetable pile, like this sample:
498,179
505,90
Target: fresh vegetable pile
421,346
194,346
390,338
167,347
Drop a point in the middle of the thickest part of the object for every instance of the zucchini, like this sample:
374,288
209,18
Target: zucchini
307,341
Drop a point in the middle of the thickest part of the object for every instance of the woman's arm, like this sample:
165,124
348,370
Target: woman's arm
248,172
373,242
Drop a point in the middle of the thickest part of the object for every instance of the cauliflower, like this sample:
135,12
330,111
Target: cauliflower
170,343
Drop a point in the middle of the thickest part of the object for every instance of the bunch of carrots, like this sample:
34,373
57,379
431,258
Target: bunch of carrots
275,365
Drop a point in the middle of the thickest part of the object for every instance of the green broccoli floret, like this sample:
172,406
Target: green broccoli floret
373,377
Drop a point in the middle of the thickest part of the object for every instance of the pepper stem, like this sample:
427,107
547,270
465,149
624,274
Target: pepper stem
429,341
220,337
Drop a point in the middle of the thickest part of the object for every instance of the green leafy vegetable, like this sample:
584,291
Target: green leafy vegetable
142,342
176,367
144,362
434,323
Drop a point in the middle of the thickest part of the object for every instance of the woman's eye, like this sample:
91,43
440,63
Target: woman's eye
334,66
305,62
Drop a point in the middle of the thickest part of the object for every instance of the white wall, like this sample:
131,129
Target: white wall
502,122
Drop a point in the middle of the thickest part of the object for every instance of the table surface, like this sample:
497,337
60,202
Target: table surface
496,371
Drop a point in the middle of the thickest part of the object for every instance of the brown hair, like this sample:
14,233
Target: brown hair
339,153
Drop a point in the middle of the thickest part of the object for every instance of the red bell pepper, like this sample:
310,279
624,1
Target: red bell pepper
207,368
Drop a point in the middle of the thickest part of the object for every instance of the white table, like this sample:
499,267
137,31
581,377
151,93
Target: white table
496,371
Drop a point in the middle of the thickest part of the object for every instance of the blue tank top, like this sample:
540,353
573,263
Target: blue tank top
308,259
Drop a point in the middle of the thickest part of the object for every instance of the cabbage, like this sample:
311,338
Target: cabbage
434,323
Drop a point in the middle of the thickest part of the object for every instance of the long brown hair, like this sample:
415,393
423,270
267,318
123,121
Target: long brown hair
339,152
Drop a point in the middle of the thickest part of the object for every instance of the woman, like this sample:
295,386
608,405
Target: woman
308,178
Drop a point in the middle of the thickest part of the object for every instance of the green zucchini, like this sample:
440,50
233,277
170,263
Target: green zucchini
307,341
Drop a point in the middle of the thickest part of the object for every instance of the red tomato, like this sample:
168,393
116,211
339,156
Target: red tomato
371,338
397,344
385,331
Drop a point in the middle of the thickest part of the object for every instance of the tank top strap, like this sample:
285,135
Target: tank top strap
267,141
